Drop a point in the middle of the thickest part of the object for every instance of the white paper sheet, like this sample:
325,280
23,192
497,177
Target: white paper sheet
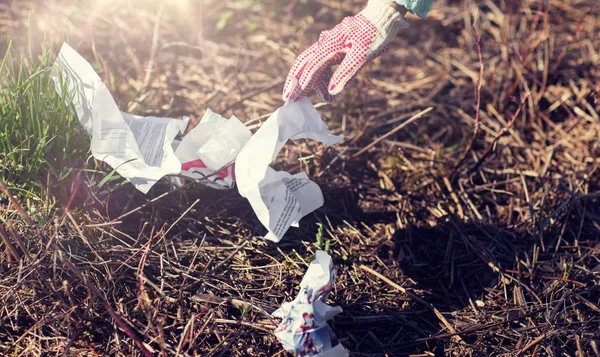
213,144
148,131
138,148
303,329
278,198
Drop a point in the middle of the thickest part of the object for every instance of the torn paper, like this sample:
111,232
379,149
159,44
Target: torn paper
303,329
208,151
278,198
148,131
143,149
138,148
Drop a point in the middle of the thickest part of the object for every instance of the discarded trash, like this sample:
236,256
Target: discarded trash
216,151
138,148
304,330
280,199
212,145
141,148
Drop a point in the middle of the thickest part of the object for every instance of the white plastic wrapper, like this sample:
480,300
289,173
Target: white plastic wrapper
278,198
303,329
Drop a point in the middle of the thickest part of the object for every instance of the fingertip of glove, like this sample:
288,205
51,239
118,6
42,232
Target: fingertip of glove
335,89
287,92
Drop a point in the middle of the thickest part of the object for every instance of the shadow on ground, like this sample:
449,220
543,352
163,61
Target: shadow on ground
449,266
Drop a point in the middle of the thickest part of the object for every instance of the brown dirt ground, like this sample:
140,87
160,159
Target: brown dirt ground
493,223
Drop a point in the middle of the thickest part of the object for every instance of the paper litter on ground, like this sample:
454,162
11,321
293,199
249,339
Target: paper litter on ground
278,198
217,151
210,147
303,329
115,136
141,148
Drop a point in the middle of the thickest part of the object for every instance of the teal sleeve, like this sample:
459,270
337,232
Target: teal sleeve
417,7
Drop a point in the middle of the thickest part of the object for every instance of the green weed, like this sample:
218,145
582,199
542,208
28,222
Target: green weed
40,139
322,243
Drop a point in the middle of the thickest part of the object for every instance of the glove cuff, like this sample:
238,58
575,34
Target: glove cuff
385,17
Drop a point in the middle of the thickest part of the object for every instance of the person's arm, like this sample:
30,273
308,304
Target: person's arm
417,7
352,44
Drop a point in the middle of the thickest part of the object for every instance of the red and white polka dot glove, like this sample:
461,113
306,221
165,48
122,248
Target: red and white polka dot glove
352,44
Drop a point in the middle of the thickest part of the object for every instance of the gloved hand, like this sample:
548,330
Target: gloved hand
355,42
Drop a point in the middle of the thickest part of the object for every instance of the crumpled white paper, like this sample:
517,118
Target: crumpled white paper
143,149
208,148
278,198
138,148
303,329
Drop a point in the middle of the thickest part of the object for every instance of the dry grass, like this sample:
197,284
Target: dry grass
473,231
